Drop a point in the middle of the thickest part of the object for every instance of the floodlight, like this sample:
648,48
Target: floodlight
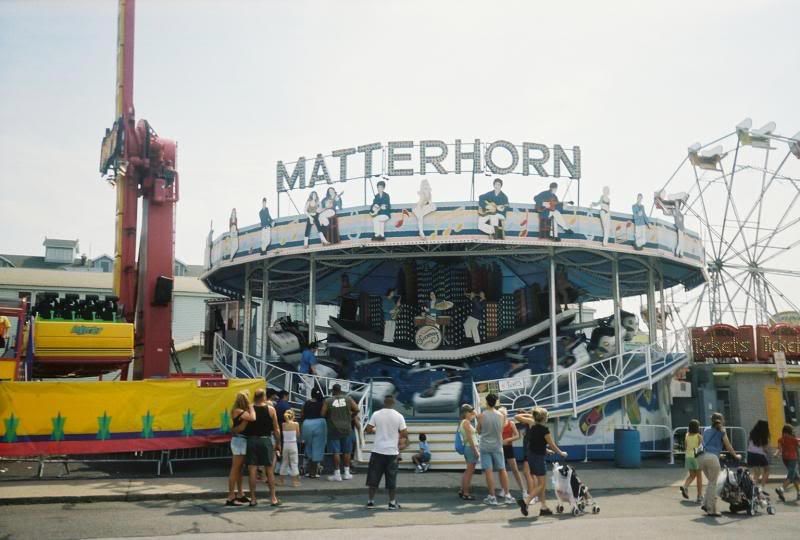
794,145
757,138
707,159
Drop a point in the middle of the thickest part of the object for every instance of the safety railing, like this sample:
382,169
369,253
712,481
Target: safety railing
652,445
736,435
364,414
576,389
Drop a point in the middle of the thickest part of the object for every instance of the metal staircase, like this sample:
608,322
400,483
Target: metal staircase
566,393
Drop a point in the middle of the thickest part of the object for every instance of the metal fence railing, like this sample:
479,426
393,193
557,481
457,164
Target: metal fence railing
736,435
155,457
652,445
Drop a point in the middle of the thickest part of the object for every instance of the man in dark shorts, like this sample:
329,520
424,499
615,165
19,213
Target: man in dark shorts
260,448
391,436
340,410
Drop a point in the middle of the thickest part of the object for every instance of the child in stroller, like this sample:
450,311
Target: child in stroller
570,490
737,488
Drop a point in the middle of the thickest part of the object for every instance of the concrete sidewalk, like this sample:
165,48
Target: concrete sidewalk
597,477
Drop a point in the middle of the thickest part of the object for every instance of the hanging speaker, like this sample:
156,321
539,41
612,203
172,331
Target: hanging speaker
163,292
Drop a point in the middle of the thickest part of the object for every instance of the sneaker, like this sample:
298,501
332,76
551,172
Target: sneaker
335,478
425,467
523,507
779,491
684,492
370,505
347,476
699,500
524,495
418,469
491,500
394,506
508,499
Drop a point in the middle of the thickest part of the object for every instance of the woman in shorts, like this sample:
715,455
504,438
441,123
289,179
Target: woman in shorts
242,413
538,441
757,447
471,453
691,442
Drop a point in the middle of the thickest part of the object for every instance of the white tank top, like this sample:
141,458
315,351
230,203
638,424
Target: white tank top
289,437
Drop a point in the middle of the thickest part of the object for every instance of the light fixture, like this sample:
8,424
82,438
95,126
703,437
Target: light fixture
794,145
757,138
707,159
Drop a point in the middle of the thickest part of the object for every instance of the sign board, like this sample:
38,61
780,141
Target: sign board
511,384
428,338
408,158
780,364
345,385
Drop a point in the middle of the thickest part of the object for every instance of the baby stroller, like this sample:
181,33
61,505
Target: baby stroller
736,487
570,490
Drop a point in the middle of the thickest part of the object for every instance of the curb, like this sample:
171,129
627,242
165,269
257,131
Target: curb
220,495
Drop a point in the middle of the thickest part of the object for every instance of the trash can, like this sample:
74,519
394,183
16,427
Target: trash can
627,448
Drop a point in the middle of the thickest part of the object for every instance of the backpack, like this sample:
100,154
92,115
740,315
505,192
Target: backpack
459,443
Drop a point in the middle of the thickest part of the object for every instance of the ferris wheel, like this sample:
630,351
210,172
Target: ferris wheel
741,192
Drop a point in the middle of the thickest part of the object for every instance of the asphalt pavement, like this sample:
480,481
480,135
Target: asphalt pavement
642,513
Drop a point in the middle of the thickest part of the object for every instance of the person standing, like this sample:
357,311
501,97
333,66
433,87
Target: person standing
340,410
331,203
290,455
714,440
266,225
314,432
788,448
511,434
473,322
539,440
381,212
242,413
691,444
282,405
390,305
233,234
490,427
605,213
312,210
470,440
492,207
640,223
757,448
425,205
259,444
391,436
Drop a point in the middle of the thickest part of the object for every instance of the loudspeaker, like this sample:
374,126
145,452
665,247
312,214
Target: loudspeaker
163,292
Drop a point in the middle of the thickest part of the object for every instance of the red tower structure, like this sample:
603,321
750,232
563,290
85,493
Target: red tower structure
141,164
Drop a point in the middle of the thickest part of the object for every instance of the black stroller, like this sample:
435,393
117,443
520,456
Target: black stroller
737,488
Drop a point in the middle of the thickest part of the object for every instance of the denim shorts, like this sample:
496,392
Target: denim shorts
470,456
791,470
493,460
239,445
341,446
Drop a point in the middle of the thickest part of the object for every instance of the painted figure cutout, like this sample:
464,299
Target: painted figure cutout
605,213
381,212
472,324
550,218
312,209
492,207
266,225
425,205
672,205
233,227
640,223
390,306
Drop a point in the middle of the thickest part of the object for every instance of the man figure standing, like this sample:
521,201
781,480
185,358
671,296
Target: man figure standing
381,212
390,305
391,436
490,427
282,405
340,410
640,223
492,208
266,225
472,324
548,207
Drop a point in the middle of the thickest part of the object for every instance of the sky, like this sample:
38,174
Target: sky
241,84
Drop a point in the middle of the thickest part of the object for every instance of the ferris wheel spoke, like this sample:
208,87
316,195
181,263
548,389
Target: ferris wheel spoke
696,309
729,200
749,295
730,303
736,279
703,205
757,204
779,293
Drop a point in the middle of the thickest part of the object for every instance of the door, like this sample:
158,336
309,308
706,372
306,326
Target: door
775,416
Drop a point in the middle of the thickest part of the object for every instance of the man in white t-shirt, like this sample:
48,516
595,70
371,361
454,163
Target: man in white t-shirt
391,436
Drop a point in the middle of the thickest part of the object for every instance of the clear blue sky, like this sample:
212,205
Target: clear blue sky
241,84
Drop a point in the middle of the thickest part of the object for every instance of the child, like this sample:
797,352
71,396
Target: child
290,457
422,459
691,442
788,444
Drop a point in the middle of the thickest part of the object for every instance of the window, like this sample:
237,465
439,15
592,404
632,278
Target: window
55,254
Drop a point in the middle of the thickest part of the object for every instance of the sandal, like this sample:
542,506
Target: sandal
243,499
232,502
276,503
545,512
253,503
469,497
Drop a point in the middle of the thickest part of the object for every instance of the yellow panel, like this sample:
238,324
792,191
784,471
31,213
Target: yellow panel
775,414
7,368
82,339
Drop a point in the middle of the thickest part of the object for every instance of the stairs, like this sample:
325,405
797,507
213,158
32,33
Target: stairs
441,437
